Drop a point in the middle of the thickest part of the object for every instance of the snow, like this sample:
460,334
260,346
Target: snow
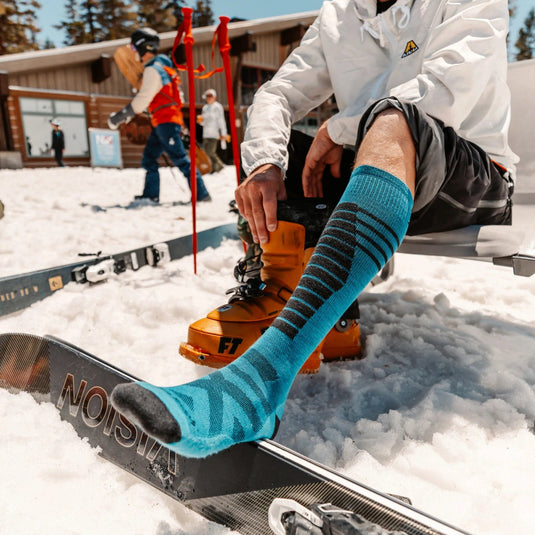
441,409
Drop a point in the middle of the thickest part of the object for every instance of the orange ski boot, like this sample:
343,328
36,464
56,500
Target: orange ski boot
226,332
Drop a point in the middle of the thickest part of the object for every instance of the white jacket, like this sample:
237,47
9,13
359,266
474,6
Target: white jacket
213,121
447,56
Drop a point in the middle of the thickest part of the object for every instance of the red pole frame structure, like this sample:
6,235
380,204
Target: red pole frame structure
185,33
224,49
188,43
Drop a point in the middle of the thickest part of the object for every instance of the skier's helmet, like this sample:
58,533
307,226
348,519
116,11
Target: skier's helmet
145,40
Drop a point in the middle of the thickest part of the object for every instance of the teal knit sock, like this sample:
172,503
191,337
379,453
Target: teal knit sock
244,401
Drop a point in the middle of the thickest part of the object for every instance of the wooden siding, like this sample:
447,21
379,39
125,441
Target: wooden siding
98,109
267,54
67,74
75,78
78,78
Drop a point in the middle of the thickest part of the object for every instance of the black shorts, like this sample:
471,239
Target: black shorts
457,184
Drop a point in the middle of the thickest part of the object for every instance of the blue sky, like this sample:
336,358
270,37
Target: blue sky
51,13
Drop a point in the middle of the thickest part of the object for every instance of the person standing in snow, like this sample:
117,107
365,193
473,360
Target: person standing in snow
159,93
214,128
58,142
423,100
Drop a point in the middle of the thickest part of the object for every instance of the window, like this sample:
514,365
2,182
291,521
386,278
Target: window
308,125
36,116
316,117
251,79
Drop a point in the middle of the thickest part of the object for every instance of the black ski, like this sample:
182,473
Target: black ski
20,291
236,488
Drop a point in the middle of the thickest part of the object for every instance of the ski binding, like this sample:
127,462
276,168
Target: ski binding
289,517
100,271
284,513
158,254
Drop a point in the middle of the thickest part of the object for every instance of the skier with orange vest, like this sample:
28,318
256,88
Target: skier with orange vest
161,96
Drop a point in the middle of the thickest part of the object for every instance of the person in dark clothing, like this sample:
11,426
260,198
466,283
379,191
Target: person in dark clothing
58,142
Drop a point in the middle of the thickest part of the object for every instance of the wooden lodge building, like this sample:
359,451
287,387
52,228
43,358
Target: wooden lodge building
81,85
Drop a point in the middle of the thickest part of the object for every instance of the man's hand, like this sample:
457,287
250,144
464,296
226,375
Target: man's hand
257,200
323,151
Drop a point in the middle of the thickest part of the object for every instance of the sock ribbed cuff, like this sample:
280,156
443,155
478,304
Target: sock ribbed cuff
369,183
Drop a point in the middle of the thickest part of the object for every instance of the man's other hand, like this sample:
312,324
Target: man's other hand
323,151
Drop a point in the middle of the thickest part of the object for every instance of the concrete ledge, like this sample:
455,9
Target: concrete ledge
10,160
469,242
523,197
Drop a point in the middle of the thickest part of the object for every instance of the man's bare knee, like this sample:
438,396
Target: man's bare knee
388,145
391,125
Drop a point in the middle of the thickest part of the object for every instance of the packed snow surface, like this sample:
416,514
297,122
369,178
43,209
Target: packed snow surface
441,409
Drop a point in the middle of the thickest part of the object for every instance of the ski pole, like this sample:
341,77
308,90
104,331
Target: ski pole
188,42
224,49
170,164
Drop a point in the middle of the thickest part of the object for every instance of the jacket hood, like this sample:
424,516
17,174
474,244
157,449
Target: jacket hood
367,9
374,24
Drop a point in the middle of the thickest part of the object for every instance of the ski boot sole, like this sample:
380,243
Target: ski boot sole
199,356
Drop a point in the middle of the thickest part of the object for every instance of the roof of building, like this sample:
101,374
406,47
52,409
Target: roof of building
77,54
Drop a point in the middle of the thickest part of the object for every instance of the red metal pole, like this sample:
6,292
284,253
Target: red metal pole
188,43
224,48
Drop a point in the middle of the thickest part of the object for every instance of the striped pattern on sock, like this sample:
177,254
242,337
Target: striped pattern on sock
211,395
245,400
354,243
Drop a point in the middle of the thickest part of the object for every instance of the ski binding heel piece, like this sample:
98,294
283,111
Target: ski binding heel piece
100,271
288,517
158,254
283,515
94,273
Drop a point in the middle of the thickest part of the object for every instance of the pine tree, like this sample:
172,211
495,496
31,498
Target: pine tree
176,10
18,26
162,17
89,16
81,26
203,14
48,44
117,18
74,26
512,11
525,43
512,8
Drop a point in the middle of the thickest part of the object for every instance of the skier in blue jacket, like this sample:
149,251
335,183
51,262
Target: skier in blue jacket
160,94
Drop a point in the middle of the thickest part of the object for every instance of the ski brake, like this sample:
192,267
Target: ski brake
288,517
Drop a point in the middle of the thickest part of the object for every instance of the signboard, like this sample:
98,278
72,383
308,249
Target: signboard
105,148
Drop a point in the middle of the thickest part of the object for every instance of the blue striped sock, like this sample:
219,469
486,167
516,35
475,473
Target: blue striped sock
245,400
